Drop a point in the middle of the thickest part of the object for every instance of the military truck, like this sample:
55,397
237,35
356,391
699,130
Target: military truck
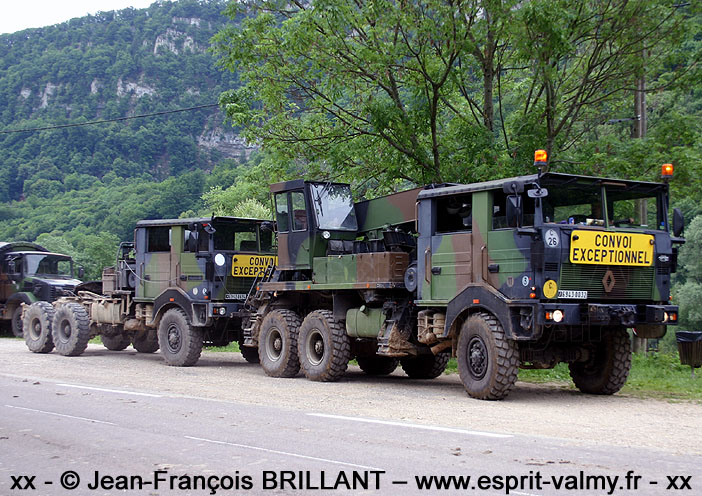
181,284
522,272
29,273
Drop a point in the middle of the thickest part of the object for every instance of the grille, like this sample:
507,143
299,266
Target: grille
629,282
551,266
238,285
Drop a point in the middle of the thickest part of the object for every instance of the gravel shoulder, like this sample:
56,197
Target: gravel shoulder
541,410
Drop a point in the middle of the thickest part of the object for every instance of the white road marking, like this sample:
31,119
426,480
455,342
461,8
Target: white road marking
60,415
105,390
285,453
412,426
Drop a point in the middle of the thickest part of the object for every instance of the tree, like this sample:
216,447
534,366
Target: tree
689,294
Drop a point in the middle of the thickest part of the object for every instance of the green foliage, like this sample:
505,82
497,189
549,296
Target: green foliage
688,294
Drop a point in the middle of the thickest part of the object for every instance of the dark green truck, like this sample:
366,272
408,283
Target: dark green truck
29,273
522,272
182,283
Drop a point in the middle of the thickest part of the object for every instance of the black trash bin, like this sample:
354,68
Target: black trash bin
690,348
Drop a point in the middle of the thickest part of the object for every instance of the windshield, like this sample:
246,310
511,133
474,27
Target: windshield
583,205
49,265
333,207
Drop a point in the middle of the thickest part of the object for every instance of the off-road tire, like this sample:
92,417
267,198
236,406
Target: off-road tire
116,342
16,322
180,342
277,343
488,362
249,353
425,366
377,365
70,329
146,341
36,326
608,367
323,347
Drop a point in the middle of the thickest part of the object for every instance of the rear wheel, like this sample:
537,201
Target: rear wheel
425,366
323,347
608,367
249,353
116,342
37,327
377,365
277,343
180,342
488,362
146,341
17,322
71,329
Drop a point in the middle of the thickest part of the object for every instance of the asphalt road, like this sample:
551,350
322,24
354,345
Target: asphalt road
124,423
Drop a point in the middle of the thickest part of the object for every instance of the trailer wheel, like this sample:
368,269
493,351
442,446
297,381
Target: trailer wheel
249,353
277,343
425,366
323,347
146,341
116,342
180,342
37,327
71,329
488,362
16,322
608,367
377,365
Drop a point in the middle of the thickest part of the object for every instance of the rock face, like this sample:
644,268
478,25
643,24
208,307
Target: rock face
176,42
226,142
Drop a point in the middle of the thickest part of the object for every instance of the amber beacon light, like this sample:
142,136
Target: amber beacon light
540,157
666,171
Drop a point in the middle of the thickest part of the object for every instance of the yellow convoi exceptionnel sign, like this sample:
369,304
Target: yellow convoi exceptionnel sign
251,265
611,248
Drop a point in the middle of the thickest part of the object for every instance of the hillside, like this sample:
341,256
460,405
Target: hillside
100,179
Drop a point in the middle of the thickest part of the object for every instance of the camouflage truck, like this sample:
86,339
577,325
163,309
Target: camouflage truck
29,273
522,272
181,284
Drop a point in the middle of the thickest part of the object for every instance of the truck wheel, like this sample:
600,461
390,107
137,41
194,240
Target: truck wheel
71,329
277,343
146,341
250,354
425,366
37,327
180,342
608,367
488,362
17,322
323,347
377,365
116,342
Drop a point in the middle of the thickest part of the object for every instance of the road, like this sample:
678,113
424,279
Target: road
125,423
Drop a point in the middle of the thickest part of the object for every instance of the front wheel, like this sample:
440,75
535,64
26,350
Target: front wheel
17,322
277,343
180,342
71,329
37,327
377,365
488,362
608,368
250,354
323,347
116,342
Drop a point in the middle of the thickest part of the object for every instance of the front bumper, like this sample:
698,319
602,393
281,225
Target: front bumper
628,315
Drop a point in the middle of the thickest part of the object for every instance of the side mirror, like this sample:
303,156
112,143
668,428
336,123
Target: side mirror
537,193
81,272
514,211
191,242
678,222
267,226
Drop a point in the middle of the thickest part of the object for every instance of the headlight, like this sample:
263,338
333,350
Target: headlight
219,259
326,234
558,316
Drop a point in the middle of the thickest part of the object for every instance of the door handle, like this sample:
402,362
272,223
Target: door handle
427,265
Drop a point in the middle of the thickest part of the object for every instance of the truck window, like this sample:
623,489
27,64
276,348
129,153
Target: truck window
499,211
333,207
158,239
299,212
454,213
281,212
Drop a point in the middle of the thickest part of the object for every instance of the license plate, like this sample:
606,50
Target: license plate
611,248
251,265
579,295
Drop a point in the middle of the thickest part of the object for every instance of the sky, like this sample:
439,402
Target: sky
16,15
